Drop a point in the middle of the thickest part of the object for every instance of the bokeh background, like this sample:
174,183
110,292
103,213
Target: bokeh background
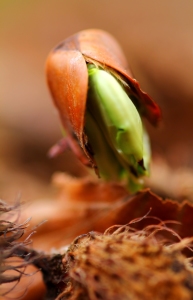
157,38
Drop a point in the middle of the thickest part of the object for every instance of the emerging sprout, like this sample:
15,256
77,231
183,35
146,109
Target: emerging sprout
112,115
100,105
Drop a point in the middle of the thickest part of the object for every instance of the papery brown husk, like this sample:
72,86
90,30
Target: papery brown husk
67,76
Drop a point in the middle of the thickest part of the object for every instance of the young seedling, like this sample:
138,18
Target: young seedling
101,105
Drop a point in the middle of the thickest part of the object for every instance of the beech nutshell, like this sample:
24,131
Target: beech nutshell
69,69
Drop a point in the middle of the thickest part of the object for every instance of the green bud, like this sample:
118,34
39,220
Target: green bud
114,127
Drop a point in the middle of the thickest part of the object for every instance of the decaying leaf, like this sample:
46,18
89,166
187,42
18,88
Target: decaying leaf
83,205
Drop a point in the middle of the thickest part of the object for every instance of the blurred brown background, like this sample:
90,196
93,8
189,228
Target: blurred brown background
157,38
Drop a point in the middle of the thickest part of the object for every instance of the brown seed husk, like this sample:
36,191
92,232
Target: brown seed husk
127,264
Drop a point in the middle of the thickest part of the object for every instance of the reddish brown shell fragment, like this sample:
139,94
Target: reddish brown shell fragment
68,81
68,77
